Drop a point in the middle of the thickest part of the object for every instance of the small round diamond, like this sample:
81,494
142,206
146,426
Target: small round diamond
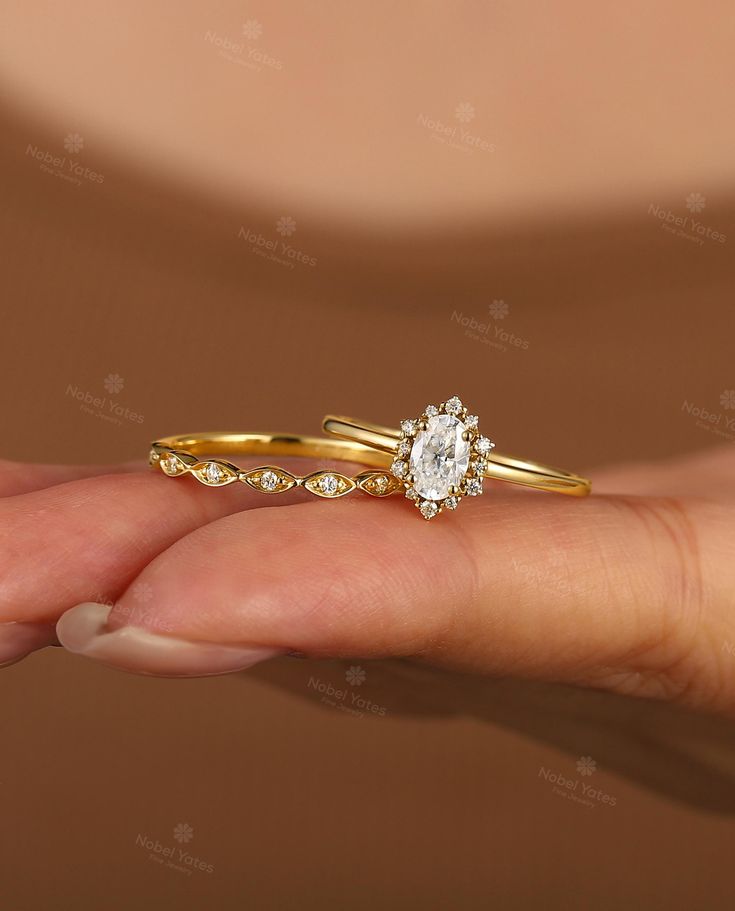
473,487
453,405
411,494
479,466
171,464
451,503
483,445
428,509
269,480
399,468
381,483
328,484
471,421
431,411
409,427
404,448
213,473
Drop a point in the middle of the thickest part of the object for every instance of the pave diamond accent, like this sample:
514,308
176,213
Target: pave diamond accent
269,480
428,509
453,405
473,487
213,473
439,457
399,468
409,427
483,445
451,503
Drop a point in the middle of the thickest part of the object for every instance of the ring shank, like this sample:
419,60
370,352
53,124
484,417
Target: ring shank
226,443
500,467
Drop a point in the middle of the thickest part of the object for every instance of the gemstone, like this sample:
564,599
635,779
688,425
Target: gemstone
473,487
451,503
328,484
483,445
439,457
409,427
213,473
428,509
431,411
269,480
453,405
471,421
404,448
479,466
399,468
171,464
411,494
381,483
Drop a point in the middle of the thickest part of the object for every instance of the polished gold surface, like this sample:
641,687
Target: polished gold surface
499,467
180,455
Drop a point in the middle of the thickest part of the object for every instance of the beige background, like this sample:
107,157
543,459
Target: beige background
596,115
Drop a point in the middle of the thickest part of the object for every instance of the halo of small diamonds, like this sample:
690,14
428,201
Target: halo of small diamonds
426,440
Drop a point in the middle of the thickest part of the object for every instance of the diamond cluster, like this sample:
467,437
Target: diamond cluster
441,457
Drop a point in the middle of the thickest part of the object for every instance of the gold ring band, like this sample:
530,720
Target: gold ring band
192,454
440,457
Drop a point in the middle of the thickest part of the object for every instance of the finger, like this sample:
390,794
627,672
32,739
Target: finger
707,473
24,477
611,592
86,539
18,640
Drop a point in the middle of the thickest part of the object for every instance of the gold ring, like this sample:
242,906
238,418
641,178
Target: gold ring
440,457
180,455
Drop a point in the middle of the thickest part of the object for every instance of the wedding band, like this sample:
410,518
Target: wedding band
180,455
441,457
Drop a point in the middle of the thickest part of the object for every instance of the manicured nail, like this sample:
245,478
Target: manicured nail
83,630
20,639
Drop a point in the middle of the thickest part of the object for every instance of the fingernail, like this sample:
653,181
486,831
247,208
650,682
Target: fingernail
20,639
83,630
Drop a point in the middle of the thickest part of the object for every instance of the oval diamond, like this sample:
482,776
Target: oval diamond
439,457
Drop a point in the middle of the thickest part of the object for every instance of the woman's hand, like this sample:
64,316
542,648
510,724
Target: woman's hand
630,590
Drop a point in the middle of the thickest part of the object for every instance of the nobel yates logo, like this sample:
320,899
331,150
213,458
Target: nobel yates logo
456,135
238,52
172,856
714,421
687,226
63,166
479,330
576,790
100,406
275,249
338,697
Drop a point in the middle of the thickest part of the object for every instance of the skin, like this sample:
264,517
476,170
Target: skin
629,590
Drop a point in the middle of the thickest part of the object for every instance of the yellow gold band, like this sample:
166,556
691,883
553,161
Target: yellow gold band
499,467
185,454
